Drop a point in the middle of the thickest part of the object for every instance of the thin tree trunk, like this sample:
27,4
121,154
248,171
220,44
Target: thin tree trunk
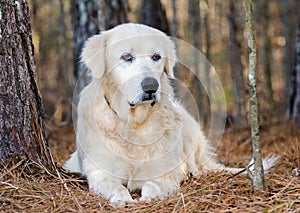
236,65
267,51
258,176
294,93
196,35
287,32
22,130
207,53
207,32
63,69
174,32
195,23
64,77
174,20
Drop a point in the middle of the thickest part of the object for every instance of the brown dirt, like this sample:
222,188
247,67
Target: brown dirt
30,188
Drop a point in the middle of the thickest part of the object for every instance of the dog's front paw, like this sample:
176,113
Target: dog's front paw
120,197
158,189
117,198
118,201
150,191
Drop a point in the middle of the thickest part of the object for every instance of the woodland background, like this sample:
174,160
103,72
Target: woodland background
216,27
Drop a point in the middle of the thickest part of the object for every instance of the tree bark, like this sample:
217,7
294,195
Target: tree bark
207,32
153,14
195,34
236,66
267,51
64,75
294,93
85,23
21,125
287,32
91,17
207,54
115,12
258,176
174,20
194,21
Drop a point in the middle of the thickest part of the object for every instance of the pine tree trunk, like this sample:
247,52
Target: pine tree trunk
267,51
207,32
153,14
21,126
91,17
194,21
65,76
85,23
258,176
294,93
287,32
236,65
174,20
116,12
195,34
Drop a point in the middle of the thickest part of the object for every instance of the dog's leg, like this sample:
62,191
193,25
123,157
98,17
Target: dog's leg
109,187
72,165
111,190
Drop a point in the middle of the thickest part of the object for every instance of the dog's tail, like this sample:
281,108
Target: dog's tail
267,162
72,165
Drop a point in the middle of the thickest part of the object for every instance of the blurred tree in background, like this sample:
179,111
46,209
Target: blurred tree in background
91,17
267,50
195,36
235,58
153,14
286,8
294,94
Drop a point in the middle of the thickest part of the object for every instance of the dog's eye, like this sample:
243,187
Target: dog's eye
156,57
127,57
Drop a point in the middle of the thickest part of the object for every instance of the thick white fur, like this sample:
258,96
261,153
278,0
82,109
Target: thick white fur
122,148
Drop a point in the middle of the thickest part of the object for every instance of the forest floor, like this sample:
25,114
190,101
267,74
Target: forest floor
41,191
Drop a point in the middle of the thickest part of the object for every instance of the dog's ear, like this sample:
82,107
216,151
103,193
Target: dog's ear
93,54
171,58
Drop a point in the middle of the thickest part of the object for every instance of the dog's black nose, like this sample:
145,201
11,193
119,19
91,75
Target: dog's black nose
149,85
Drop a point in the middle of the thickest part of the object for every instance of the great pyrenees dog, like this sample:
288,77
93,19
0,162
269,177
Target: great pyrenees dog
131,132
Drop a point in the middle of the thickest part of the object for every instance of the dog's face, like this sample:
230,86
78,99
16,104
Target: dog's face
138,64
132,60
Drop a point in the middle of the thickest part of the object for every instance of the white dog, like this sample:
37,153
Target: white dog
131,133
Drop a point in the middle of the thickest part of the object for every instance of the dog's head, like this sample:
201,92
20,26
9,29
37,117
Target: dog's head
133,59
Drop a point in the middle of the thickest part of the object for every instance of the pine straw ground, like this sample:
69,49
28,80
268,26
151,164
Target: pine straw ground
28,188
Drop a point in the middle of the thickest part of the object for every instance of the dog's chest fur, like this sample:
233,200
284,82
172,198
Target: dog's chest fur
151,137
148,145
